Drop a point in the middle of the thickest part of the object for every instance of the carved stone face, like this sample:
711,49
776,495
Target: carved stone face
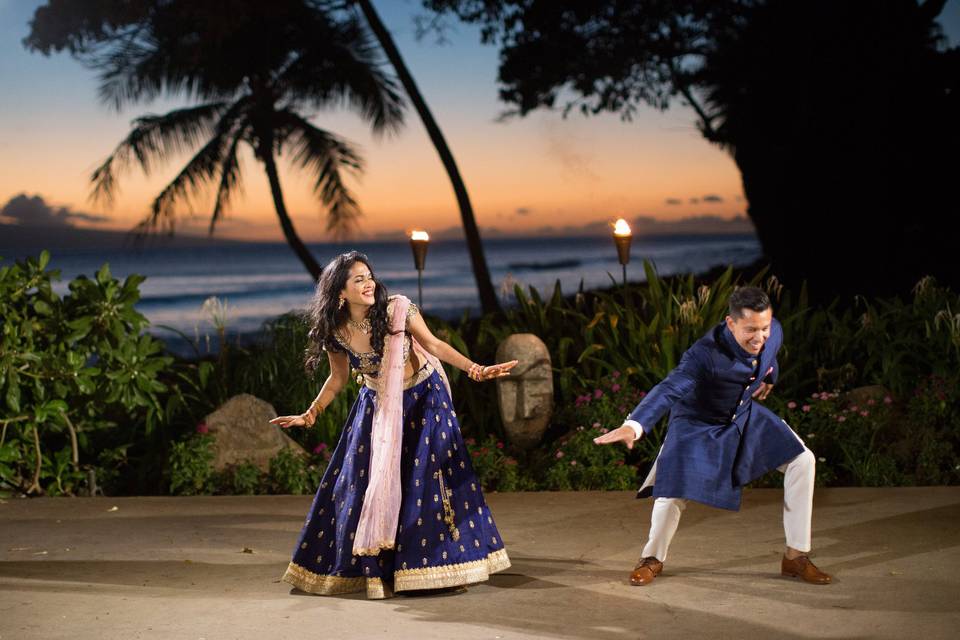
526,396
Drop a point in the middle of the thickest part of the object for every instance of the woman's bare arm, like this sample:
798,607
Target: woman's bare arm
334,384
446,353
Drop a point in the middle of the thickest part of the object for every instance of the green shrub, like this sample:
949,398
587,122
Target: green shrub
290,473
494,468
191,466
71,369
241,479
578,464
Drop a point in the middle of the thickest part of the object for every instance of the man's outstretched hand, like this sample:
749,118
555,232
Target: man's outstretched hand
624,434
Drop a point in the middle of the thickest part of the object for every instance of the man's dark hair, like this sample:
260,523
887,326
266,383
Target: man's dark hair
751,298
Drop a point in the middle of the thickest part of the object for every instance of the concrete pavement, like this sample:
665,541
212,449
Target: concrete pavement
176,568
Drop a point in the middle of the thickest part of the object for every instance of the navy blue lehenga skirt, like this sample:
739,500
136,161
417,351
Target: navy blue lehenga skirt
446,535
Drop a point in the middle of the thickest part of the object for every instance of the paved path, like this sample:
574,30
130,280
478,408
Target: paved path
175,568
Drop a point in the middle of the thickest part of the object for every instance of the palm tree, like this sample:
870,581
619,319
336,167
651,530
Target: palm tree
254,68
488,297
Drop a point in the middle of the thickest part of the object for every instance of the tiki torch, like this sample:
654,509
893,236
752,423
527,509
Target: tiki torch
622,237
418,242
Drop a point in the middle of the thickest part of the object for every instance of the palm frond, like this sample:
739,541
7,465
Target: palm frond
346,69
230,179
323,155
155,139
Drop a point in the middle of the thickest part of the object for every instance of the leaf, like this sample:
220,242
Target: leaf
13,391
44,259
103,275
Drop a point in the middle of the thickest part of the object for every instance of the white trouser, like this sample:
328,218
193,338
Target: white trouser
797,509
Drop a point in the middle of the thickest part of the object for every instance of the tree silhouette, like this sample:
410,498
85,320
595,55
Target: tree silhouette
481,274
255,71
838,113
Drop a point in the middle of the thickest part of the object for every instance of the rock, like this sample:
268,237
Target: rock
242,432
526,396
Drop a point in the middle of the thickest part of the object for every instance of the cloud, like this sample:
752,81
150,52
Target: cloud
673,201
694,200
712,198
523,211
35,212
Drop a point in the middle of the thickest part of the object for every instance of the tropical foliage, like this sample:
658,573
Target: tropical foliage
871,385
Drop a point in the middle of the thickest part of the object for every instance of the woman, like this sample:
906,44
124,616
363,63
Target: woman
399,507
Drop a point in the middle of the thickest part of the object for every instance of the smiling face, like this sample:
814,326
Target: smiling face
361,286
751,329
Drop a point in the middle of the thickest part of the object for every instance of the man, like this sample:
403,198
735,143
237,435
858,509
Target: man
719,439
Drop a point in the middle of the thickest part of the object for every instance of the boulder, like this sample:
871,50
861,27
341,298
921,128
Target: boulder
242,432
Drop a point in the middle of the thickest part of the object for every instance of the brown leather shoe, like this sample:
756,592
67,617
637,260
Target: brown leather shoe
644,573
801,567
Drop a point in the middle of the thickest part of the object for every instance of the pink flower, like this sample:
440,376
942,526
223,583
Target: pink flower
510,461
573,463
805,408
887,400
471,441
320,448
559,454
499,445
597,394
619,463
854,407
841,418
864,413
604,430
615,375
815,395
643,394
615,388
595,425
871,402
791,405
202,428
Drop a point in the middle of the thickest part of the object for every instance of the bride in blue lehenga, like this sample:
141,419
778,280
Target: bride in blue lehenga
399,507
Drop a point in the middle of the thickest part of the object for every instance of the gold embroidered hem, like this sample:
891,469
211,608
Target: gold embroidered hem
326,585
451,575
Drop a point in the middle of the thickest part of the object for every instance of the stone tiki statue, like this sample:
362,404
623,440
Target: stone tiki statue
526,396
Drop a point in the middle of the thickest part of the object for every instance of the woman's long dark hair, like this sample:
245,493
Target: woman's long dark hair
325,316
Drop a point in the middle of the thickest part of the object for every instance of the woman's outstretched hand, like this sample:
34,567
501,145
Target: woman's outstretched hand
497,370
285,422
624,434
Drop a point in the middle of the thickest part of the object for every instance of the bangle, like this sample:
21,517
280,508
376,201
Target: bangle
475,372
312,411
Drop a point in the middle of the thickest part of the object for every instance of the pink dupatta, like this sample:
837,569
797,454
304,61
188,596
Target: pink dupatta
377,528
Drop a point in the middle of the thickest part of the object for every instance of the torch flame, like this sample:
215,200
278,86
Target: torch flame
420,235
621,228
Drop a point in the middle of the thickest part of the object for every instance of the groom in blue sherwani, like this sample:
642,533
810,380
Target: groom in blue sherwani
719,439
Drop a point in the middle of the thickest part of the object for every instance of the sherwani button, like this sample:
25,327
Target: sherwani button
741,402
753,362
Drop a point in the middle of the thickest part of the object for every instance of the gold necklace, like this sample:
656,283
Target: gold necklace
363,326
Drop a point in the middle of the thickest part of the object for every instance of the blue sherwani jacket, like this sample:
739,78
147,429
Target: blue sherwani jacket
718,438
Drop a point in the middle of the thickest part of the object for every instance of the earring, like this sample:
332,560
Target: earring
340,304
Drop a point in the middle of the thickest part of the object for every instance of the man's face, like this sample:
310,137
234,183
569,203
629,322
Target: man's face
752,329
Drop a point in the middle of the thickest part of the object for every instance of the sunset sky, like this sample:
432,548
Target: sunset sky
522,174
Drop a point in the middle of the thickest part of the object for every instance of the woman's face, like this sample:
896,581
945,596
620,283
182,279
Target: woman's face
360,286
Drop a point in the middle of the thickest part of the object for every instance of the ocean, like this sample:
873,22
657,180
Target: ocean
261,281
